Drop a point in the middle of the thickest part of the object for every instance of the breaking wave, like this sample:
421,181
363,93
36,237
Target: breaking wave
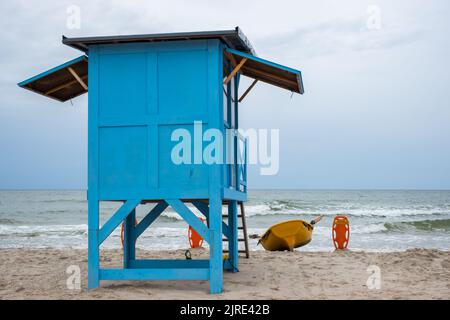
423,225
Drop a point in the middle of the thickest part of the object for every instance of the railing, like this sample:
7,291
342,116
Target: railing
241,162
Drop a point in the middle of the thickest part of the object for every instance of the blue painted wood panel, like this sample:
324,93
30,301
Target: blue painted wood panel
182,83
145,92
123,157
179,176
122,85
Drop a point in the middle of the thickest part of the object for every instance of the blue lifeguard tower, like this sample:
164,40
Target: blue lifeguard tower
141,89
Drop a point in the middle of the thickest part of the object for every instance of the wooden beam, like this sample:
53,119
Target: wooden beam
225,91
231,58
190,218
204,209
43,93
268,75
116,219
168,263
248,90
77,77
235,70
63,86
149,218
155,274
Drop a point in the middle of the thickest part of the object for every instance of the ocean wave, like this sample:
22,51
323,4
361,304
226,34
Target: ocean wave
42,230
421,225
268,210
274,210
171,215
7,221
83,201
362,237
265,210
45,212
354,229
170,232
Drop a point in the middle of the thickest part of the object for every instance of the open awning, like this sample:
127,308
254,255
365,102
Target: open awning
264,70
70,79
63,82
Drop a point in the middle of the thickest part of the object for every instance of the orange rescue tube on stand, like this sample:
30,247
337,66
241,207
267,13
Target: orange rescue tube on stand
341,232
195,240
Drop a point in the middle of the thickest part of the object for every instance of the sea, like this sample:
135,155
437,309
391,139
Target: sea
380,220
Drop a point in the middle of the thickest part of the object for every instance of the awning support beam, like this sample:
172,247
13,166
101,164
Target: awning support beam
230,57
248,90
77,77
265,74
63,86
266,71
235,70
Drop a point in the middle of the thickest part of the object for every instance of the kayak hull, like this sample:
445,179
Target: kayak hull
287,235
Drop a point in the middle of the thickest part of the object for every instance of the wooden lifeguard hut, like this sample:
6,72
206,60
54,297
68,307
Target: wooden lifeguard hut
141,89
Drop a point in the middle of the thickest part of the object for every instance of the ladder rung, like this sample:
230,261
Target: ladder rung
239,227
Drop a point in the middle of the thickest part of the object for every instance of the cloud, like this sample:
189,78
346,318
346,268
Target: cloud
371,88
339,36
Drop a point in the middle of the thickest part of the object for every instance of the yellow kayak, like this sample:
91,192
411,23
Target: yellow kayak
287,235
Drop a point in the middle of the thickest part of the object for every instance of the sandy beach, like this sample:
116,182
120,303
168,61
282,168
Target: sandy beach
412,274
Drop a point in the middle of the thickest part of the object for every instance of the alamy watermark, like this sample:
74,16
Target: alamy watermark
373,21
374,280
73,20
73,281
236,146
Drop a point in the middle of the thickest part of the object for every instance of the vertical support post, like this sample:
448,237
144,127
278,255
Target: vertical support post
129,243
93,198
216,250
233,244
245,163
93,247
215,112
236,100
237,163
228,126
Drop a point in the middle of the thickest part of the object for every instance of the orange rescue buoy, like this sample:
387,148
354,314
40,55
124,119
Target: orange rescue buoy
341,232
195,240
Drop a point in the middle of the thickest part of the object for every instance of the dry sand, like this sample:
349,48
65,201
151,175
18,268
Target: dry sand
413,274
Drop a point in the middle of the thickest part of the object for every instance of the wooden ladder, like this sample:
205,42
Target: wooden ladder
242,227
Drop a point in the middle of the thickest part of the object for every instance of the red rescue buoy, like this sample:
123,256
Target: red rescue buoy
341,232
195,240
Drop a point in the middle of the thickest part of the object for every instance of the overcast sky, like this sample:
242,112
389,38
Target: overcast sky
375,113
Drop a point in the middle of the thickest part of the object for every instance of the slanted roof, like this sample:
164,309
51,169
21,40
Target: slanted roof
63,82
233,38
70,79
